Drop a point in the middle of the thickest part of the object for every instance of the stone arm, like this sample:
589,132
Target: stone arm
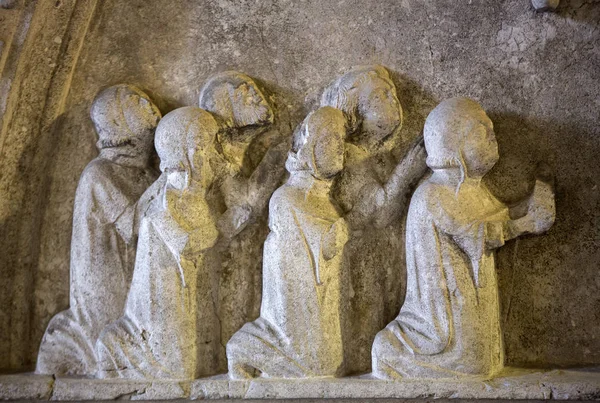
535,213
266,177
380,205
260,186
492,233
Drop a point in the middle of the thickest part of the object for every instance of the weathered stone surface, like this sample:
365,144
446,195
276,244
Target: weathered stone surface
511,384
449,323
26,387
252,145
499,54
35,80
545,5
8,3
105,228
170,327
301,328
382,165
503,54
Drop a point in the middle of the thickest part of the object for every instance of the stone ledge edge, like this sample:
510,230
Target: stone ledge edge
512,384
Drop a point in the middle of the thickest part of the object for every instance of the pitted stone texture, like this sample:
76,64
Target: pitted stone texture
26,387
511,384
105,230
545,5
301,328
170,327
449,323
536,73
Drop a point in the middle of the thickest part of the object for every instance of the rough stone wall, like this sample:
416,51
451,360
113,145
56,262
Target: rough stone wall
538,76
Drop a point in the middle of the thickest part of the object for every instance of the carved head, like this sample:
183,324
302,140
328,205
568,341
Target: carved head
124,116
459,134
184,141
367,96
319,144
236,100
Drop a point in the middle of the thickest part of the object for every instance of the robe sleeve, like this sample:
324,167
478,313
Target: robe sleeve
107,202
473,235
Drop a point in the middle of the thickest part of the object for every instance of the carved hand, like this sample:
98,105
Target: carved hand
234,220
413,165
542,209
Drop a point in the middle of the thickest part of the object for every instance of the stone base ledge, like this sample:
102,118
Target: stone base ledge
512,384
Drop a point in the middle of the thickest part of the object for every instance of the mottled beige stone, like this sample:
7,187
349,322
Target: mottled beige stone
511,385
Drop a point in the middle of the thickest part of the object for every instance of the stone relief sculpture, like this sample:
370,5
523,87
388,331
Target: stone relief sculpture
331,264
104,237
372,191
449,324
250,166
170,328
300,329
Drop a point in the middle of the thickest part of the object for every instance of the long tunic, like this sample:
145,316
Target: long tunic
375,251
449,324
299,331
170,327
102,258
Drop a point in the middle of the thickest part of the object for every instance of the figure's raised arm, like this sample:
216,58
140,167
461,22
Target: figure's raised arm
380,205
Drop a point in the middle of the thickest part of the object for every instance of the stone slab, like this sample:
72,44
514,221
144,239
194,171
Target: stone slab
25,387
513,384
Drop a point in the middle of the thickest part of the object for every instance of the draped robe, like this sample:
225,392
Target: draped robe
449,324
170,328
102,258
299,331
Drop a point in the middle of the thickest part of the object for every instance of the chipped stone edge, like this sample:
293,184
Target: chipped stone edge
512,384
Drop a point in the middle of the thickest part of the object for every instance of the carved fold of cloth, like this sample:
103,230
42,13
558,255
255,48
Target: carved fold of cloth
102,258
449,325
170,328
299,331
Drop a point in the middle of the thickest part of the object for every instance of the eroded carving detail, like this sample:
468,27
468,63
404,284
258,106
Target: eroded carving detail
449,324
170,328
300,329
372,191
104,235
250,166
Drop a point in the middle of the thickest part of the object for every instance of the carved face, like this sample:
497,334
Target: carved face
329,154
325,148
184,140
123,117
480,151
380,110
250,106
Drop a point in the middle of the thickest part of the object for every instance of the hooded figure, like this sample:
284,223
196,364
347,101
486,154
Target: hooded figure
449,324
373,191
300,329
104,235
170,327
250,165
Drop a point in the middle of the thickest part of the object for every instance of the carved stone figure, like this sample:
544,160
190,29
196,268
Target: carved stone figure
104,237
372,191
251,166
300,329
449,324
170,328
